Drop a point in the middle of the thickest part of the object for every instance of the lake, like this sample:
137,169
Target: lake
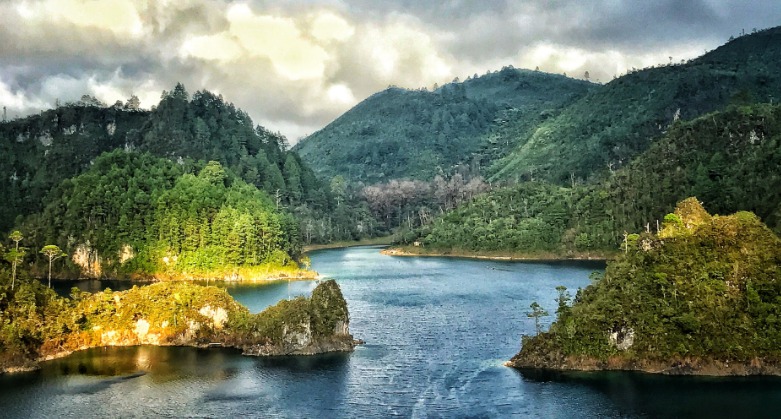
437,332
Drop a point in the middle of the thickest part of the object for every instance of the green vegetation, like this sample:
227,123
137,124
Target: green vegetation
52,253
528,218
418,134
703,290
730,159
36,324
40,152
135,215
609,158
606,128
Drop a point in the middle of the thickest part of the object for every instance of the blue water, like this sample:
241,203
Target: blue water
437,332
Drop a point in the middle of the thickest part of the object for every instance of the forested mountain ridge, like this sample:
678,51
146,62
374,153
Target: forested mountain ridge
516,125
729,159
40,151
400,133
606,128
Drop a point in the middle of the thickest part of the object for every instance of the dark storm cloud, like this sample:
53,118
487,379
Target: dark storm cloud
51,50
500,28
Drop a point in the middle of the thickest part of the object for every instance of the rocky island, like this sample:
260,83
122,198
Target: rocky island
701,296
38,325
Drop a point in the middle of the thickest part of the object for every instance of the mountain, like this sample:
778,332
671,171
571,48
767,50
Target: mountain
40,151
400,133
730,160
134,215
606,128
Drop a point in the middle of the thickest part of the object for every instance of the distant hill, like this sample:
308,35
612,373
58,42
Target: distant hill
606,128
416,133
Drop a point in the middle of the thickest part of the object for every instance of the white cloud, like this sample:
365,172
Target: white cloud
17,103
341,94
327,27
296,65
398,52
220,47
278,39
118,16
601,65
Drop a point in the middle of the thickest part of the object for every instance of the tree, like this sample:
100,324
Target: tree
53,252
292,175
563,300
339,188
133,103
15,255
536,313
213,173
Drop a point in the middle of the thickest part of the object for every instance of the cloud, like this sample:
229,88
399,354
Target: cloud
118,16
327,27
295,65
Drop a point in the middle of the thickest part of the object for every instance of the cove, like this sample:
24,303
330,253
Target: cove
437,333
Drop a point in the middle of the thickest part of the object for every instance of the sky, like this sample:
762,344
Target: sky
296,65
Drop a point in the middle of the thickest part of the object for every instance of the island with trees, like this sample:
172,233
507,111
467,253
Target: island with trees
700,296
36,324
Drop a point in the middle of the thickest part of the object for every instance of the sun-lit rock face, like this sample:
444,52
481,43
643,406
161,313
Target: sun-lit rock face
87,258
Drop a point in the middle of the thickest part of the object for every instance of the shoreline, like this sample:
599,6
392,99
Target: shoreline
296,275
376,241
407,251
688,366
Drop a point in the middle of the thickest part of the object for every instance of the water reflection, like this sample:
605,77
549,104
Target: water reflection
675,396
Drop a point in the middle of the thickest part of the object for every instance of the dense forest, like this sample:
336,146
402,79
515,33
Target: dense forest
521,125
730,159
135,215
606,128
40,151
702,291
192,179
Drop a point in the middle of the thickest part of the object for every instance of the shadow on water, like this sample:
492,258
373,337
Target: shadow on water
63,287
657,395
323,362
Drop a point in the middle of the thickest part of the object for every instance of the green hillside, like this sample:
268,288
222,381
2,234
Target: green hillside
731,160
608,127
135,215
401,133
